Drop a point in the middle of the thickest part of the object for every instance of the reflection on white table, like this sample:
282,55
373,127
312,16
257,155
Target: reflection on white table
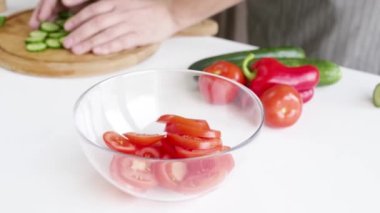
327,162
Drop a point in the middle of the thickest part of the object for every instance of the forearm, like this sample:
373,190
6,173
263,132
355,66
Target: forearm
189,12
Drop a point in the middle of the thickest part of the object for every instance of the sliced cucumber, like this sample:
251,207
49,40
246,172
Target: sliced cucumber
65,14
34,40
53,43
60,22
50,27
38,34
59,34
2,20
376,95
36,47
61,40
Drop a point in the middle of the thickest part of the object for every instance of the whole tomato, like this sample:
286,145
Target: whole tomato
282,105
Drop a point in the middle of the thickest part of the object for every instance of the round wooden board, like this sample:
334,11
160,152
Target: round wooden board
61,63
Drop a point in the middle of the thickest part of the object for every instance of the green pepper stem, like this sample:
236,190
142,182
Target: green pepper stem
247,72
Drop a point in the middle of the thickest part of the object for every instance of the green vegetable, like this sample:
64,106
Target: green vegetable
60,22
49,27
61,40
238,57
36,47
53,43
376,96
329,72
59,34
246,68
2,20
34,40
65,15
38,34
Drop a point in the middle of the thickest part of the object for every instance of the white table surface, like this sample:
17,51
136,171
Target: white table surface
328,162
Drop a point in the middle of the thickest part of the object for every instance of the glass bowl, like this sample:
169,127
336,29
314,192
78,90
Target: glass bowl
132,102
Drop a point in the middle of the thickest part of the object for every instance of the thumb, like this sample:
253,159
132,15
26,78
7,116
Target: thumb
72,3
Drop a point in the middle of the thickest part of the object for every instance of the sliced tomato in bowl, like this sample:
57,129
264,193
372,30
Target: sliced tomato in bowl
136,173
118,142
143,139
190,142
196,123
186,153
181,129
170,174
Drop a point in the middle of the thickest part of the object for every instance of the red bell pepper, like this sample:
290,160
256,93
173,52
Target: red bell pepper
267,72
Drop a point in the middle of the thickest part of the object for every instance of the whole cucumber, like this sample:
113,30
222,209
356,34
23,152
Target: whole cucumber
238,57
329,72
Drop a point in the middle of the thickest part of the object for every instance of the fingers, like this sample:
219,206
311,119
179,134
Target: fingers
72,3
34,22
101,38
127,41
87,13
91,28
46,9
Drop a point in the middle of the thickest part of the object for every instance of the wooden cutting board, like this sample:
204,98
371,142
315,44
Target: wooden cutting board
61,63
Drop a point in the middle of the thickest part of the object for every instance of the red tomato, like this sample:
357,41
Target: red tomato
149,152
132,172
186,153
168,119
205,174
118,142
189,142
217,91
282,105
181,129
228,70
170,174
143,139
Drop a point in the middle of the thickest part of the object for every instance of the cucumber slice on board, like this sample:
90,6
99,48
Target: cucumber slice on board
65,15
34,40
38,34
53,43
376,95
50,27
2,20
59,34
36,47
60,22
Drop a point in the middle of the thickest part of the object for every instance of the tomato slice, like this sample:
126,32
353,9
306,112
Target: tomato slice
167,149
135,173
143,139
189,142
169,119
118,142
170,174
185,153
204,174
149,152
181,129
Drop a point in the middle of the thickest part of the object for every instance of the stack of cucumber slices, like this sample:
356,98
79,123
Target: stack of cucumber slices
50,35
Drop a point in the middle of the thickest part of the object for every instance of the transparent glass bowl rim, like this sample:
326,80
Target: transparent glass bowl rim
187,71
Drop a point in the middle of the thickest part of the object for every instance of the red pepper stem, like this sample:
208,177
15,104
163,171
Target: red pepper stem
247,72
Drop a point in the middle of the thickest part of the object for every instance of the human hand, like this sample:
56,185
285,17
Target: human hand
110,26
47,9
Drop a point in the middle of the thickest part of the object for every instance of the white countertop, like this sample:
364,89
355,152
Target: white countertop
328,162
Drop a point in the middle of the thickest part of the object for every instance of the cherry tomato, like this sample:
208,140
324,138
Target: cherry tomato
168,119
149,152
186,153
132,172
282,104
228,70
181,129
189,142
118,142
217,91
143,139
